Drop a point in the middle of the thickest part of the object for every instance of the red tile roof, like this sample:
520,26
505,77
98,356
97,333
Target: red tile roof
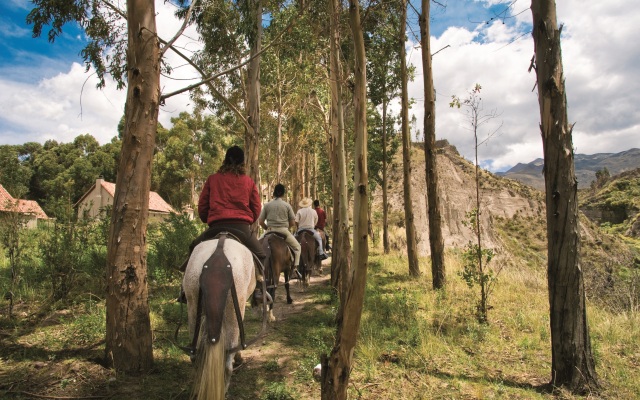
8,203
31,207
5,199
156,203
110,188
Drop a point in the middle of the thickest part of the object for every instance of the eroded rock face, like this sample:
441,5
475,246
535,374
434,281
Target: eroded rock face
500,198
634,230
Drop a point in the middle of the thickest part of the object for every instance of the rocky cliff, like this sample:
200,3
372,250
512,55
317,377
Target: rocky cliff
500,198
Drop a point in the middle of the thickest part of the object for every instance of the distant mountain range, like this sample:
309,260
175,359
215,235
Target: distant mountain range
585,165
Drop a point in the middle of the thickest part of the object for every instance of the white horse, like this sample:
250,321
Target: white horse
214,357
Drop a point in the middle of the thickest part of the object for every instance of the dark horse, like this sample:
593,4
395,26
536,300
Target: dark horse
278,261
309,260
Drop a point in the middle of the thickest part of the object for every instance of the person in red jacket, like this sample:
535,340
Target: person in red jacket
322,222
230,202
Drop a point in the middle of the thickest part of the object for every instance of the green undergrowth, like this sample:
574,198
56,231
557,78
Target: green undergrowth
414,343
417,343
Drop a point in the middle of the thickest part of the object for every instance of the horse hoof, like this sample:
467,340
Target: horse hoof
237,360
289,301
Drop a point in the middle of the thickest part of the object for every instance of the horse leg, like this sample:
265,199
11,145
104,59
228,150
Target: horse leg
237,359
286,287
272,292
228,369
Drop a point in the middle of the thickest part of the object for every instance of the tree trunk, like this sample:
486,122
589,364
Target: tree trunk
279,137
252,136
306,159
128,337
572,364
412,247
385,182
436,241
341,255
315,174
336,370
252,133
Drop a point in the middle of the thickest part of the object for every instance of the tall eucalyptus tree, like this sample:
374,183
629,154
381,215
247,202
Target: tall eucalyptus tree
384,84
341,259
129,338
337,368
572,363
410,228
436,241
252,11
292,71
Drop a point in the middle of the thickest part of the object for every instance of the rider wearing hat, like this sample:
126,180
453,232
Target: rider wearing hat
307,218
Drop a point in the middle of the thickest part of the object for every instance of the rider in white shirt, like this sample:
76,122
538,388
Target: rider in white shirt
306,219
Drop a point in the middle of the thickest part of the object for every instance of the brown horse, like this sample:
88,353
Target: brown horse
278,261
309,260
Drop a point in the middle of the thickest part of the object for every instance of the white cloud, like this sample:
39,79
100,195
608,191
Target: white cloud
600,63
52,108
68,104
10,30
601,77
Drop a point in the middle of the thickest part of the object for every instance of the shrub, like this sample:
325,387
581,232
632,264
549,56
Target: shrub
169,244
71,248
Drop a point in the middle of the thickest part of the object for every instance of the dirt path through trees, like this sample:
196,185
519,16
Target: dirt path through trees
282,362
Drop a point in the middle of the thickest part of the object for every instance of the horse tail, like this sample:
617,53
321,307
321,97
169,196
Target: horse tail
210,366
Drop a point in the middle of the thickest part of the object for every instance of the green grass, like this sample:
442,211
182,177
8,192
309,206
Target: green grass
414,343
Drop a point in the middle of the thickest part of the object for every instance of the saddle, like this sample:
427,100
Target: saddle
311,231
283,237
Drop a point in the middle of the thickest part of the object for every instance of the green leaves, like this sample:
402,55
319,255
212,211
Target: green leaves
104,26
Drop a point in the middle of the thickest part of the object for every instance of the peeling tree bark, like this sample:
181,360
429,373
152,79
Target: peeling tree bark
336,369
341,258
410,228
128,337
436,241
572,364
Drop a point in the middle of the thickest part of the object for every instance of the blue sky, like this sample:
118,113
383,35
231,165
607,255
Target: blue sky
22,56
45,93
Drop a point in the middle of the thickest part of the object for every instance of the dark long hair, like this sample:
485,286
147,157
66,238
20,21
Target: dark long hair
233,161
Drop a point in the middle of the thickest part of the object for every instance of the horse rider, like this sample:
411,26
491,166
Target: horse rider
307,218
277,216
322,221
229,202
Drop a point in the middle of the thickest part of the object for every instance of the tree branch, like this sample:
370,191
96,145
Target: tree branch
207,81
182,28
275,41
214,91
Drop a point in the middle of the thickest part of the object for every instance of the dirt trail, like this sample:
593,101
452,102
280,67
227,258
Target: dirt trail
273,358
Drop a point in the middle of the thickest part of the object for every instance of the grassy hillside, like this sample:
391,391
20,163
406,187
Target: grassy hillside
615,204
